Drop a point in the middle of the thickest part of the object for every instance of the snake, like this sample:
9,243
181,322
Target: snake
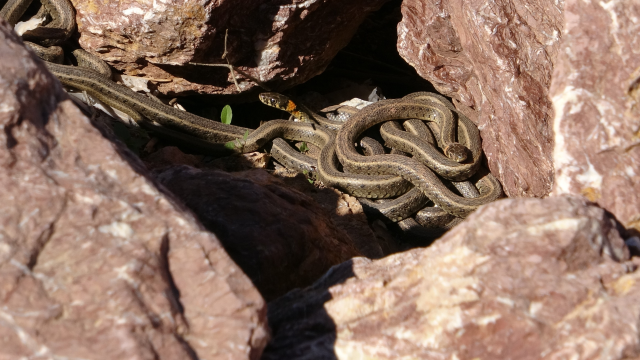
299,111
413,200
410,169
57,31
376,176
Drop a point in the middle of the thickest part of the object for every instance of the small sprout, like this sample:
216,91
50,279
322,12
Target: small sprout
134,139
303,148
237,143
225,116
309,177
246,133
231,145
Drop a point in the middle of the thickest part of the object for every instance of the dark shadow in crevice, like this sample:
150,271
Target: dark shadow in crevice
300,325
631,236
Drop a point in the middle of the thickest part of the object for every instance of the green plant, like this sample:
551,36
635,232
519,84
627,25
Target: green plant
237,143
226,115
303,148
309,176
133,138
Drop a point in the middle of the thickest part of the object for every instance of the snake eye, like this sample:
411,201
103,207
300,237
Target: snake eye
456,152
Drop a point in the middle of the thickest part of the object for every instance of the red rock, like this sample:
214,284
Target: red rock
96,262
495,59
595,93
279,236
518,279
282,43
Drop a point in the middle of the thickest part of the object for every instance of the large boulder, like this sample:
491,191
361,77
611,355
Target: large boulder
281,43
96,261
518,279
596,97
278,235
495,59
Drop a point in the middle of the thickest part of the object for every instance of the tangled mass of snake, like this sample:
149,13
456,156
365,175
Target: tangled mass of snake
432,172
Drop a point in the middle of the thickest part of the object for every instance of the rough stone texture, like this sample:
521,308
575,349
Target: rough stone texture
281,42
279,236
518,279
95,262
596,96
494,58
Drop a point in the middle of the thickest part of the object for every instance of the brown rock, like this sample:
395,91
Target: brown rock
494,58
596,96
282,43
518,279
280,237
96,262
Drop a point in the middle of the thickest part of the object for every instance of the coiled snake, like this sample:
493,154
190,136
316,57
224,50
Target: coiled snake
418,170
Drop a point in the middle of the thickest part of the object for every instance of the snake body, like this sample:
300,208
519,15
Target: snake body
57,31
410,169
414,199
298,110
13,10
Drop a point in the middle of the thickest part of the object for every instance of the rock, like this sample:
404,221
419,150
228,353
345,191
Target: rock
96,262
518,279
279,236
281,43
495,59
596,97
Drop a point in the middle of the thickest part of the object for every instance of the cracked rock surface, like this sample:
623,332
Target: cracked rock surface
95,261
282,43
279,236
495,59
596,96
518,279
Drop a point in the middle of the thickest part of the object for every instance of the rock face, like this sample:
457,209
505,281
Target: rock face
596,96
278,236
96,262
283,43
495,59
518,279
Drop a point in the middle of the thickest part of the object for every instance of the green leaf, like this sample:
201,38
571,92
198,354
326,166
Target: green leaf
303,148
225,116
246,133
231,145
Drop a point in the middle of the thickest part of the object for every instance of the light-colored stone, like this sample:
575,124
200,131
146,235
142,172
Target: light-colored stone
596,97
518,279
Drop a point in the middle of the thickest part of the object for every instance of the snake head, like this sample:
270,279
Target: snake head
456,152
275,100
